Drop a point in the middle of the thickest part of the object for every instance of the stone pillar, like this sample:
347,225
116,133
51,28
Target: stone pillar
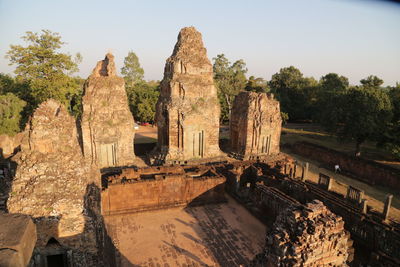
305,172
330,183
364,207
386,209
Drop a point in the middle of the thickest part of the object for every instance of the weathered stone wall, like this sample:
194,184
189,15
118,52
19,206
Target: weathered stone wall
255,125
365,170
149,189
53,185
307,235
187,111
107,123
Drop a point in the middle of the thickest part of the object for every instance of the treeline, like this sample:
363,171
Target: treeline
367,111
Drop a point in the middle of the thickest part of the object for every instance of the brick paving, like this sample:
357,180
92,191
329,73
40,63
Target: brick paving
212,235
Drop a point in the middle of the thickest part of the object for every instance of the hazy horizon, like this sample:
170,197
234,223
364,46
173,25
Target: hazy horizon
352,38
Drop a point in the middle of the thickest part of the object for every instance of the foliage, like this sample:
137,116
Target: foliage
258,85
230,79
42,71
391,137
329,96
131,71
285,117
364,113
295,92
371,82
10,113
142,100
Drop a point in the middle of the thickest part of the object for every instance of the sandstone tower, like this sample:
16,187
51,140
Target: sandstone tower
188,110
255,126
57,187
107,123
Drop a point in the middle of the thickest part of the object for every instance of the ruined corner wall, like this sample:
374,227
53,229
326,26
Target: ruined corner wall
255,125
56,186
163,192
107,123
187,111
307,235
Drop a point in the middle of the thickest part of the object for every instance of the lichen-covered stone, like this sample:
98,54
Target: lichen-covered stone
307,236
255,125
188,110
107,123
54,183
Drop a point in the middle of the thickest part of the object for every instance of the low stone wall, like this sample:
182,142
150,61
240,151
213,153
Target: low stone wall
171,191
365,170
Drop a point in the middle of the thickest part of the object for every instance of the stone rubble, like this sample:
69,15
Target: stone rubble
307,235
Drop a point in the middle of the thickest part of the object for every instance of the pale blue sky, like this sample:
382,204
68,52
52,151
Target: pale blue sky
352,38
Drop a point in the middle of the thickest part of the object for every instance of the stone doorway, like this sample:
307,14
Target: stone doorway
198,144
108,154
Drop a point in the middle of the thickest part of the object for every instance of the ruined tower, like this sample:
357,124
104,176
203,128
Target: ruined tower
107,123
188,110
308,235
255,125
58,188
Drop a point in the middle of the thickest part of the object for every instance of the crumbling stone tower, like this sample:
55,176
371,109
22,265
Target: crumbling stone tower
255,125
58,188
308,236
107,123
188,110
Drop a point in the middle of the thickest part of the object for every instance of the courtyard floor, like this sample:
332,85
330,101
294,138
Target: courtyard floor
212,235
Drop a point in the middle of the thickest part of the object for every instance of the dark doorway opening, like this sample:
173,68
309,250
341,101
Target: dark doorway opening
55,260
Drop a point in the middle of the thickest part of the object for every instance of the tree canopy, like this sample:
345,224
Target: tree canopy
230,79
10,113
46,70
131,71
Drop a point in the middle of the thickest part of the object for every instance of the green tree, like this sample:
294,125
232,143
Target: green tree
6,83
329,96
391,137
295,92
258,85
10,113
45,70
142,100
131,71
371,82
365,113
230,79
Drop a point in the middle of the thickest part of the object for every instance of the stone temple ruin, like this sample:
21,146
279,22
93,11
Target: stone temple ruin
255,125
55,194
307,235
192,196
107,123
188,108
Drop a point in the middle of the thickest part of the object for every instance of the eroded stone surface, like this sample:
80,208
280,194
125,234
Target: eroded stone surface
307,236
55,185
188,110
107,123
255,126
